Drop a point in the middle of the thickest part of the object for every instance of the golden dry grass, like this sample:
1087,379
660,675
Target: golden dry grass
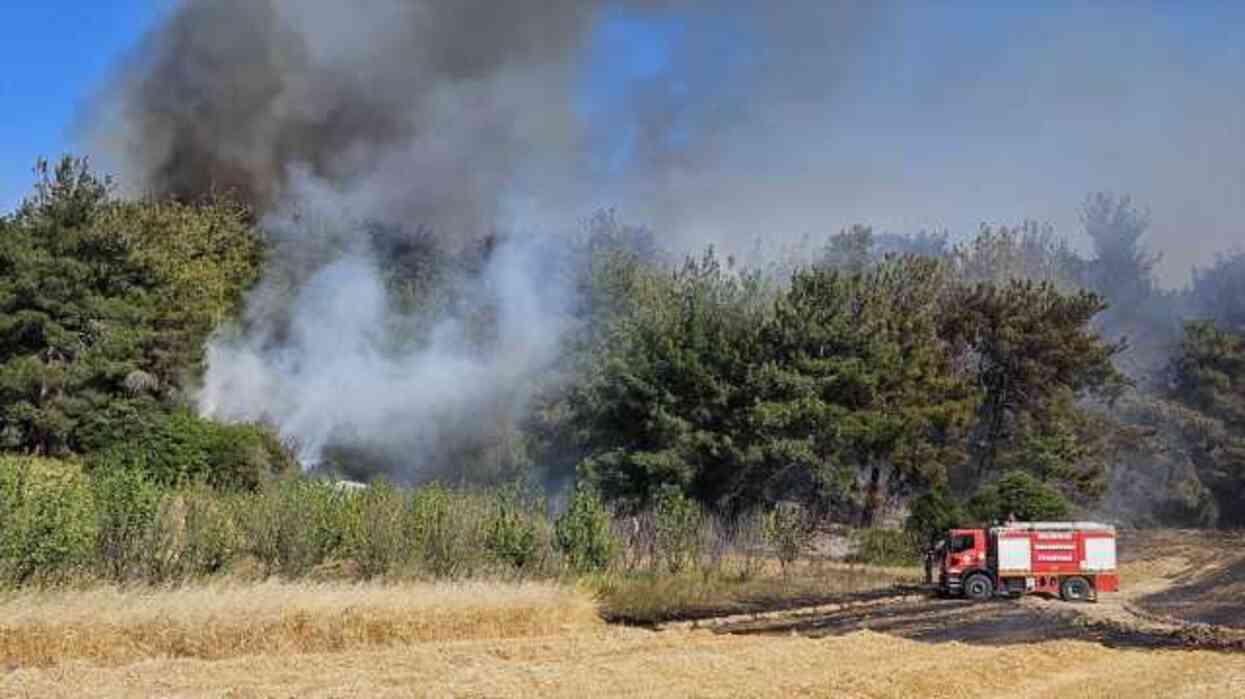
659,597
111,627
493,639
626,662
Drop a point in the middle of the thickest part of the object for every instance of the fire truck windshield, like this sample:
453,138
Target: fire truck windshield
961,542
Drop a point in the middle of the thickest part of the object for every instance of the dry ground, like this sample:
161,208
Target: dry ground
1200,575
542,640
632,662
1180,590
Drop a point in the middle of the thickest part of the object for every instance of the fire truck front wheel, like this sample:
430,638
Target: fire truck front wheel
1075,589
978,587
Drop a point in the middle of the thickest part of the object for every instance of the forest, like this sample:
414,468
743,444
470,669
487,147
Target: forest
861,378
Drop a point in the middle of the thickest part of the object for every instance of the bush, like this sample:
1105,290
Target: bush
447,530
582,533
379,539
1021,495
748,541
47,519
678,539
180,447
126,505
514,529
931,515
194,535
293,524
884,547
789,530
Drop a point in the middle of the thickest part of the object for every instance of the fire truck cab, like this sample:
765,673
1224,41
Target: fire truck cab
1075,560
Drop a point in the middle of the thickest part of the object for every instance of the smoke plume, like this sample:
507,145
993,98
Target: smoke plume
461,118
710,121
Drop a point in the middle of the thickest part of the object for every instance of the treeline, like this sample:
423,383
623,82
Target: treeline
856,378
846,387
858,374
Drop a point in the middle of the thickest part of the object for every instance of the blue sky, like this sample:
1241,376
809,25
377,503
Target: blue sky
55,53
939,124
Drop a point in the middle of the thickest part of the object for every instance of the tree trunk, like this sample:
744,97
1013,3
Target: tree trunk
873,497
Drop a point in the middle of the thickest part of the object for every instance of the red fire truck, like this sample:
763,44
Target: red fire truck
1076,560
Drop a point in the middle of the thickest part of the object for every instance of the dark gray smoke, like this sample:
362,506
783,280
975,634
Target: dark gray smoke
718,121
451,113
459,117
426,106
711,121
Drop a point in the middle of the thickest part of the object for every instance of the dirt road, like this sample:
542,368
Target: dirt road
1181,590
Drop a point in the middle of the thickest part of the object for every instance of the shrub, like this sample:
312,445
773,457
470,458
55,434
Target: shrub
513,532
180,447
748,541
582,533
637,537
379,538
1021,495
884,547
47,519
678,537
126,505
931,515
789,530
293,524
193,535
447,530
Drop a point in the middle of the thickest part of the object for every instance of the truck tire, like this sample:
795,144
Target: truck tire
978,587
1075,589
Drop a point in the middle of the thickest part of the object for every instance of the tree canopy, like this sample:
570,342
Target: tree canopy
106,305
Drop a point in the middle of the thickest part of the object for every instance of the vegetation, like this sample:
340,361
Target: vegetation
789,530
583,533
1018,495
105,307
885,547
1207,377
845,389
675,561
711,414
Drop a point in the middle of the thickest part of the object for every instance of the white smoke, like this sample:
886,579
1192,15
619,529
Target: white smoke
338,363
751,120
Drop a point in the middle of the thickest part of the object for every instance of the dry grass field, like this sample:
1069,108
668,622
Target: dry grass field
595,661
109,628
498,639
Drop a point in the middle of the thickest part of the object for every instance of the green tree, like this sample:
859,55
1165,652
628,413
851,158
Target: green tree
105,306
1018,494
931,514
855,385
1035,355
833,390
1208,377
663,402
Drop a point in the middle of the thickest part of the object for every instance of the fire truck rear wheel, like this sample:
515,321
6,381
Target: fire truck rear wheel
978,587
1075,589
